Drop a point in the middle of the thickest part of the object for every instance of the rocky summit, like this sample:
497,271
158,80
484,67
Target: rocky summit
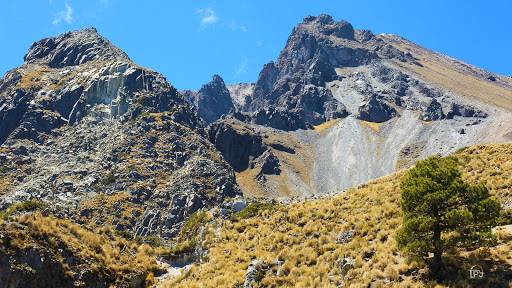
362,105
104,141
122,167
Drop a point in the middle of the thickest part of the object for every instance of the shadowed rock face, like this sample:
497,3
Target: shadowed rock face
97,126
375,110
211,101
433,112
238,145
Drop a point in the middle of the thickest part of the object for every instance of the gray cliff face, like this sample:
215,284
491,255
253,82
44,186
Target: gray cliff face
384,96
73,48
211,101
76,74
91,125
298,88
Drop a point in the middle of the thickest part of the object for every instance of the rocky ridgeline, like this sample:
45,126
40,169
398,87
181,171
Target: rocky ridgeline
297,91
329,70
103,140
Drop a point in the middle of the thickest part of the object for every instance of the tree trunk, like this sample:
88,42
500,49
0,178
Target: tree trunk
436,264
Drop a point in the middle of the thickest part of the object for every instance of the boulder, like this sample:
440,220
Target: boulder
268,163
255,267
464,111
346,264
376,110
434,111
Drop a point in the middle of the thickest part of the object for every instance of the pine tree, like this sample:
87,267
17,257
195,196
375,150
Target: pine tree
441,211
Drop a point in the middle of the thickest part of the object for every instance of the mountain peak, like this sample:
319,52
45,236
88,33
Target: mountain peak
324,18
217,79
327,26
212,101
72,48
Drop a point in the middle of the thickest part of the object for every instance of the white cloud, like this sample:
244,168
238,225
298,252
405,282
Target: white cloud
233,26
208,16
259,43
66,15
242,68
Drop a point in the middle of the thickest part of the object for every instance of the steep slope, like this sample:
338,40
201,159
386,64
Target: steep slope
41,251
388,102
459,77
348,239
267,161
103,140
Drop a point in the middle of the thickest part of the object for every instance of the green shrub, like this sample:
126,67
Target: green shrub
28,205
124,234
111,178
259,276
132,122
151,240
252,210
187,246
191,226
121,156
505,218
460,150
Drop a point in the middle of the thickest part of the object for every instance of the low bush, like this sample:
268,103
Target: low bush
27,205
252,210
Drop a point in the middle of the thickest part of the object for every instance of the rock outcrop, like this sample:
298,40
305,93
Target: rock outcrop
254,272
109,142
298,90
211,101
376,110
237,143
73,48
384,95
433,112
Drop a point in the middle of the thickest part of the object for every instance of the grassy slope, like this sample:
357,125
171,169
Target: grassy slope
453,74
303,236
113,258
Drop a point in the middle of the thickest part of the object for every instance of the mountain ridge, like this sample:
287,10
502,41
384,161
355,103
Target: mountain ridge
98,141
84,127
328,70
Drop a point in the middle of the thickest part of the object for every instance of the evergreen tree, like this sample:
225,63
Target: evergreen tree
441,211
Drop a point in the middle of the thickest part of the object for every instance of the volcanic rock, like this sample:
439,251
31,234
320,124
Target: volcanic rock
212,101
376,110
111,142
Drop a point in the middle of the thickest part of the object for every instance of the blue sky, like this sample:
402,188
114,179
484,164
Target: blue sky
189,41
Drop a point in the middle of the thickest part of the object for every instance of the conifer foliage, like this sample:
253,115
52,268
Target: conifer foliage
443,211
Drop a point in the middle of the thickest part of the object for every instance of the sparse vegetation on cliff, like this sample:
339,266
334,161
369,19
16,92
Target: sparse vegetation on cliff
71,249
